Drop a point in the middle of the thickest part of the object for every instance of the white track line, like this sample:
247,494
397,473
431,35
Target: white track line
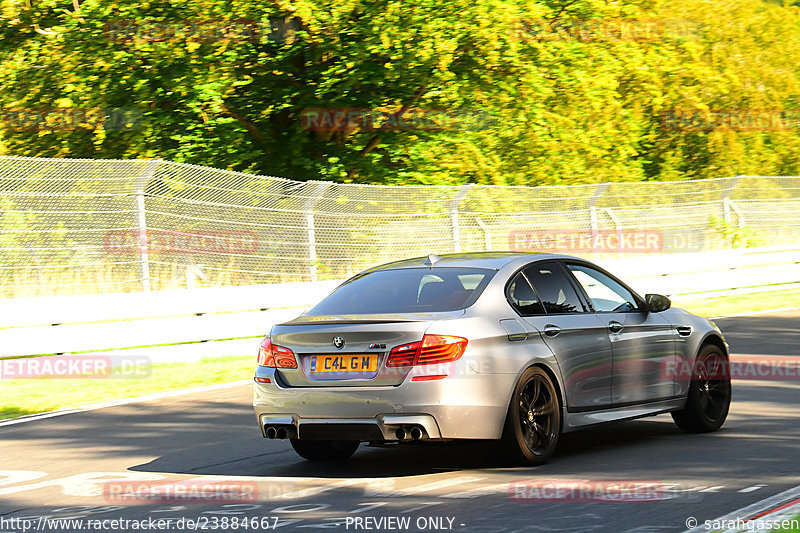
124,401
752,489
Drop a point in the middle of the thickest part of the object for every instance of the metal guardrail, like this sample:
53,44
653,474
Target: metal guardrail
708,274
190,324
161,322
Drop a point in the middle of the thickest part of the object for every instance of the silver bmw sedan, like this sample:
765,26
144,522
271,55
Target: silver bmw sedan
511,347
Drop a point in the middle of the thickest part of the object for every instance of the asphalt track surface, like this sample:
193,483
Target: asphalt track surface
59,467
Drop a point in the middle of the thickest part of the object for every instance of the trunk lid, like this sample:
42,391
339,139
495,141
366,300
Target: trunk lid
349,350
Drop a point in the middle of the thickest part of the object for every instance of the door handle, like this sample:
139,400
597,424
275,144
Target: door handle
615,327
551,330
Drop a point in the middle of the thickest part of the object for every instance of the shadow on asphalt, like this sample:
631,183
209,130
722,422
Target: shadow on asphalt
600,452
277,459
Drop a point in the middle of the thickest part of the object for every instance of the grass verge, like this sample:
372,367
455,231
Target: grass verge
21,397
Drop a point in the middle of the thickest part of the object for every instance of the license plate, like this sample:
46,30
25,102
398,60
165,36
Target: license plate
352,362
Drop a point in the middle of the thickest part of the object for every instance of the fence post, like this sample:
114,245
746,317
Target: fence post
454,224
141,222
311,232
726,201
487,236
618,228
312,246
593,222
730,207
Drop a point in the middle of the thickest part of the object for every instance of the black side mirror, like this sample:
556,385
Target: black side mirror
657,302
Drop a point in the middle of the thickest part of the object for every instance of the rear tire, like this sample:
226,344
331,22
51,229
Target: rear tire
325,450
533,422
709,393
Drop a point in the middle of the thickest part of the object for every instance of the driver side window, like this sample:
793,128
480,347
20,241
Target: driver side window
607,295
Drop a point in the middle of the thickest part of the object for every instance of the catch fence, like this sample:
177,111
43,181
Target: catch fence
101,226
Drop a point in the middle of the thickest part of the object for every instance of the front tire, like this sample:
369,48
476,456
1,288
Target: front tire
709,393
325,450
533,422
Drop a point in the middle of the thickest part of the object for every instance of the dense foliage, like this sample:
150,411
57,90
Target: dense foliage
506,91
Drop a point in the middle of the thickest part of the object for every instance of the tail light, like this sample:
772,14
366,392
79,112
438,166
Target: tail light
405,355
275,356
432,349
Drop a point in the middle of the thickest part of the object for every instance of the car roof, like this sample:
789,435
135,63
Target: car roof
488,260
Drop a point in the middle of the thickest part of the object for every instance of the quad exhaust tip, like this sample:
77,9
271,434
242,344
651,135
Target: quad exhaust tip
405,433
279,432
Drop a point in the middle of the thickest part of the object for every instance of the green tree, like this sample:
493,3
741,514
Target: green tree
532,92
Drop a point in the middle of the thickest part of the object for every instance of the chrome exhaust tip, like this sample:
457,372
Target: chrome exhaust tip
281,433
416,433
272,432
400,434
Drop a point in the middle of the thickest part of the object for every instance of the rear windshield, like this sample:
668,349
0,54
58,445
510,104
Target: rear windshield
408,290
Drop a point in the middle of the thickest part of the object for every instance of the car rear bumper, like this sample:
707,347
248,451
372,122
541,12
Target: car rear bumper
460,406
380,428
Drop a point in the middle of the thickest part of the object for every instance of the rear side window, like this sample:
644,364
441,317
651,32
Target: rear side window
523,297
406,290
554,288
